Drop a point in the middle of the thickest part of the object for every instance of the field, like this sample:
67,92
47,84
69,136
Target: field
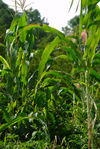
50,84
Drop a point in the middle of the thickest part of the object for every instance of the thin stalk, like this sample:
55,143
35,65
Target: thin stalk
88,110
80,25
96,111
82,88
15,6
73,109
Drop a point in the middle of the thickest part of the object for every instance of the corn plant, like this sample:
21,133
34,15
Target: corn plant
15,78
50,109
90,53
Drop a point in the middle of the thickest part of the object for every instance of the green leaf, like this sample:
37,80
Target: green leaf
10,123
24,71
71,53
84,3
30,39
94,23
31,26
2,45
56,74
97,55
3,85
22,21
64,57
46,28
81,21
93,2
70,43
4,62
91,46
5,115
14,24
20,53
86,19
71,4
21,24
95,75
94,45
49,81
18,119
46,53
96,62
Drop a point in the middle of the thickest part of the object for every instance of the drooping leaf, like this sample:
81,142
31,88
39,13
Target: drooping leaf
4,62
71,53
2,45
64,57
16,120
46,28
58,75
46,53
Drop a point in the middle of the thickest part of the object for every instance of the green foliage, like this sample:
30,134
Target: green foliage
48,102
6,15
34,17
46,54
73,26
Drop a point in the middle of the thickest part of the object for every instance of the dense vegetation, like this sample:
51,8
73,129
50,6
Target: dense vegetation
6,16
50,84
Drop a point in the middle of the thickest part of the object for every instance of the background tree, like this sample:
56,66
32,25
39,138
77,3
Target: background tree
6,15
73,26
34,17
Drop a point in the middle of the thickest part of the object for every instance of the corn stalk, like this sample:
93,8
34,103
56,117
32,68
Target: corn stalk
88,109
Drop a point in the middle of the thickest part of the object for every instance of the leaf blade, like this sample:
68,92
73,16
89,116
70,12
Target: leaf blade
46,53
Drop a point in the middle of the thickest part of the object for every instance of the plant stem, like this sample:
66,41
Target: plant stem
15,6
73,109
88,110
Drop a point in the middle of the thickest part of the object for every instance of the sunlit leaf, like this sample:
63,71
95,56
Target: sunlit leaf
46,53
4,62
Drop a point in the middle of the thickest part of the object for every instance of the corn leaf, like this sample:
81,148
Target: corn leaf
46,28
16,120
22,23
64,57
4,62
46,53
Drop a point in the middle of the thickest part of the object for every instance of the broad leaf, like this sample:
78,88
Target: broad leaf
46,53
21,24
